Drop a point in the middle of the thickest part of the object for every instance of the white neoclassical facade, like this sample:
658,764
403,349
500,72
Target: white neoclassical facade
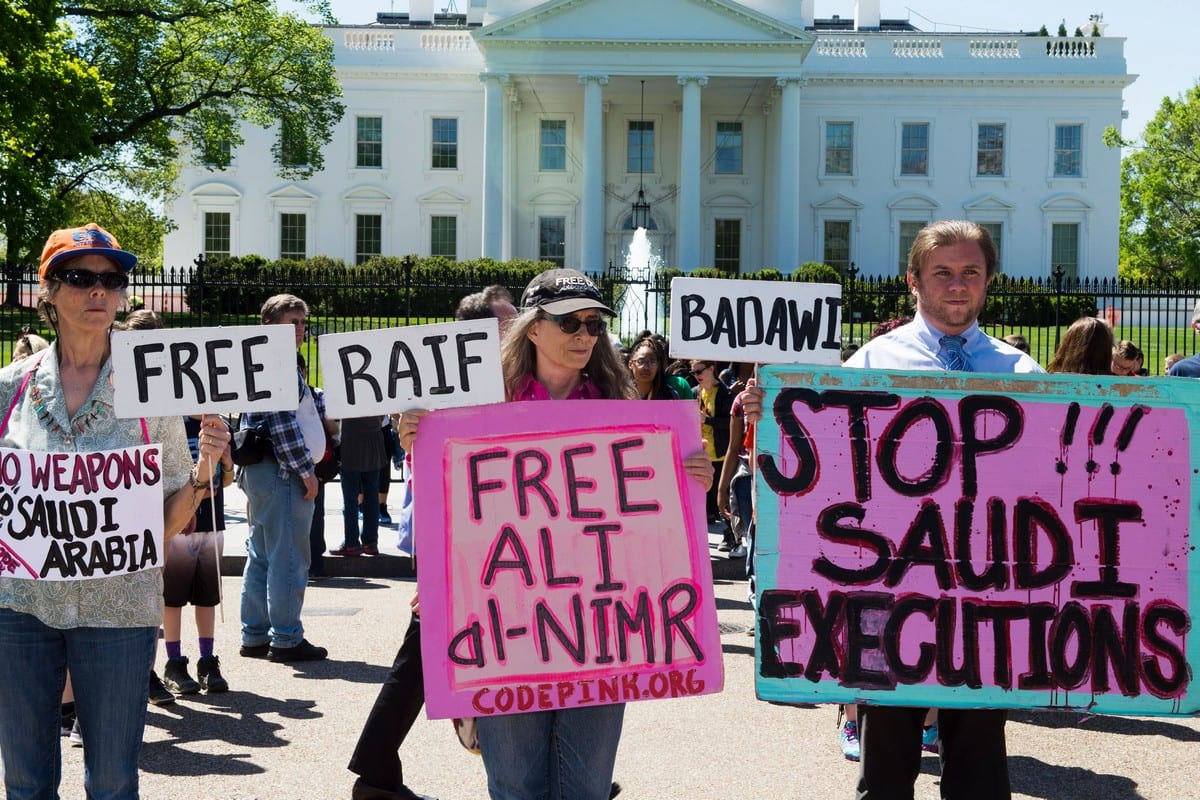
758,134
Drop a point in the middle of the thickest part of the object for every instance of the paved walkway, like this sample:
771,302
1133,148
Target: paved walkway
286,732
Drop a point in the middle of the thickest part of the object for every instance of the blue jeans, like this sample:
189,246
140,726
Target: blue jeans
560,755
366,483
277,556
110,671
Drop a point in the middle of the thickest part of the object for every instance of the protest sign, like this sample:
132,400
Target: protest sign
764,322
386,371
75,516
564,557
935,539
160,373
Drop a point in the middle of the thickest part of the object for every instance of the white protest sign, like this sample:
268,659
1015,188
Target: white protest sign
768,322
447,365
77,516
162,373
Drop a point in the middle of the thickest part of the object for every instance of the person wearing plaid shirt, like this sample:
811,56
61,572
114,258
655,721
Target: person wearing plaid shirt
280,491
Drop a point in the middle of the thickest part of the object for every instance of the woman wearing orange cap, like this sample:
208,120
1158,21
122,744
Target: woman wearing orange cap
104,628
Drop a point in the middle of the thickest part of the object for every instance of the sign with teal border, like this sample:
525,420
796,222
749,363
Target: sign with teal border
969,540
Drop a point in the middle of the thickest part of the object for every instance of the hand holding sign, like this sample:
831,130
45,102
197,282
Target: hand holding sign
160,373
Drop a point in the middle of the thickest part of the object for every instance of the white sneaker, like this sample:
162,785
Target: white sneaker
76,735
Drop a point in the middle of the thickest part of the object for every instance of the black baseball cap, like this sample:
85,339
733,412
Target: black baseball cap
563,291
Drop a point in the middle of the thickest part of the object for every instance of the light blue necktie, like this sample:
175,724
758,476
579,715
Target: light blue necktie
956,359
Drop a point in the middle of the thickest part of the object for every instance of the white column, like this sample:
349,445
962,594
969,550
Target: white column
493,164
591,223
787,210
690,232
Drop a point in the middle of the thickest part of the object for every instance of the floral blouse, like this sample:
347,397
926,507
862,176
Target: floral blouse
40,422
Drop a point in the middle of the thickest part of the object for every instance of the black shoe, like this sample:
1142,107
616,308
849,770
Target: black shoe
208,671
159,695
384,517
176,679
305,651
365,791
255,651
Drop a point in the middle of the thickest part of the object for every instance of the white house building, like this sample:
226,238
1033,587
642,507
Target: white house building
758,134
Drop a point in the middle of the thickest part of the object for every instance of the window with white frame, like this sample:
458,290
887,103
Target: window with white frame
914,148
989,149
293,143
368,236
996,231
727,245
908,234
552,147
836,243
443,237
368,146
728,157
218,234
1068,151
445,143
216,151
839,148
552,240
293,236
640,146
1064,248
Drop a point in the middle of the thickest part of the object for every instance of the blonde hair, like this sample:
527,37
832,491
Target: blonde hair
518,360
947,232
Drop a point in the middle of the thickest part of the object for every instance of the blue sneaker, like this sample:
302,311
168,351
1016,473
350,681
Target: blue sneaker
929,739
849,740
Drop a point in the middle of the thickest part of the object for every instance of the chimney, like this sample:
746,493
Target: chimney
420,13
476,11
866,15
808,12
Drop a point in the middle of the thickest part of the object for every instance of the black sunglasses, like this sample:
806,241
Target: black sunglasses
86,279
570,324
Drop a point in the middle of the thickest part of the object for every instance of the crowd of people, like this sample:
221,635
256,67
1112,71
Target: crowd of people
555,346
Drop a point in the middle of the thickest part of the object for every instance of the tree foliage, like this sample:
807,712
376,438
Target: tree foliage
1160,193
98,97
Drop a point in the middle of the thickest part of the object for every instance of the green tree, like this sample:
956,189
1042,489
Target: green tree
99,97
1160,193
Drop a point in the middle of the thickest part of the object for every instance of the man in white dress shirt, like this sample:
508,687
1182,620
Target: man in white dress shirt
949,267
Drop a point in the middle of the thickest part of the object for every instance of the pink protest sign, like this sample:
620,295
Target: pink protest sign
979,541
563,557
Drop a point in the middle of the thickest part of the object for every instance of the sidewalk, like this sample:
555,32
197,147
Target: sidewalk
286,732
390,563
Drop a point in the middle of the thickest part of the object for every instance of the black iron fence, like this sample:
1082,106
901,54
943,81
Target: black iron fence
1155,316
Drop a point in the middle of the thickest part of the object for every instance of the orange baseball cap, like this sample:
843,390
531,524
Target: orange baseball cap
69,243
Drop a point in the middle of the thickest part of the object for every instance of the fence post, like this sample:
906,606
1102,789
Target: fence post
848,281
200,264
407,263
1057,273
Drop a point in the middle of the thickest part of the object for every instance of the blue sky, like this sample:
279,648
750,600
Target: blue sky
1160,34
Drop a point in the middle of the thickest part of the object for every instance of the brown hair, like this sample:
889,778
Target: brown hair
1085,349
947,232
518,360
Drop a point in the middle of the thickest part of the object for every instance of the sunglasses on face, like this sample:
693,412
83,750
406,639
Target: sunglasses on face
644,362
698,371
570,324
86,279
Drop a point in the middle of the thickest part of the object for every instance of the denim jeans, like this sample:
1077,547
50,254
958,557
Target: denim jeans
560,755
367,483
277,556
110,671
